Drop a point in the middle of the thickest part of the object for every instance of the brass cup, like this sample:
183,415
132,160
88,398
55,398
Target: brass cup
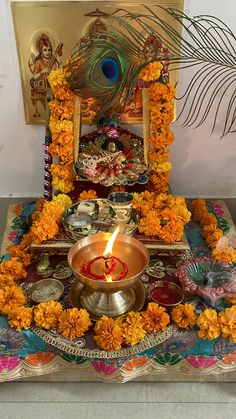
100,297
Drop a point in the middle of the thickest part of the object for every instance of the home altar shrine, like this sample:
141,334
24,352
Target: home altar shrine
109,274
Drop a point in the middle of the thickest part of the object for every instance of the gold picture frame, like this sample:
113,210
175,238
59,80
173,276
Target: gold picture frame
52,23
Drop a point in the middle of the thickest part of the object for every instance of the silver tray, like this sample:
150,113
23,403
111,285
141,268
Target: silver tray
103,222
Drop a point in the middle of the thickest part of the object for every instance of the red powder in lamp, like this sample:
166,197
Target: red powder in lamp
167,294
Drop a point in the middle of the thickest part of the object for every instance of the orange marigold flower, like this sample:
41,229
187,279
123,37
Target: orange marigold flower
150,225
10,296
62,109
73,323
13,268
52,209
133,328
46,314
44,229
172,231
62,185
207,219
208,324
63,199
152,71
226,254
159,182
90,194
228,323
20,317
108,334
20,253
155,318
6,281
184,316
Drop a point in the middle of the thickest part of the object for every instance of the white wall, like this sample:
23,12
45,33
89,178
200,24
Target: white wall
202,164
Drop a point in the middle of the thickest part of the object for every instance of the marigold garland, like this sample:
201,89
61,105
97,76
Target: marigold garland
161,215
61,127
211,232
161,97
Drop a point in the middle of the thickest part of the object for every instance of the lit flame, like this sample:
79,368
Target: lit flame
108,278
108,250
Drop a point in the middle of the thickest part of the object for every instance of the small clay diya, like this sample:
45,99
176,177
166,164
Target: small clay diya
209,279
166,293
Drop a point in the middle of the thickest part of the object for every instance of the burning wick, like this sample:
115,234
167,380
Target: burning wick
109,260
110,263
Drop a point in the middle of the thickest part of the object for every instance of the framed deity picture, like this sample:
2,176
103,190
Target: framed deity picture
46,33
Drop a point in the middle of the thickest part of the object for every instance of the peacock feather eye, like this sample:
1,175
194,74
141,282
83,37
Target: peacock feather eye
111,69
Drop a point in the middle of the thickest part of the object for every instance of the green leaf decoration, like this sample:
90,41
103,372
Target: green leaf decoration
15,223
224,225
168,358
74,358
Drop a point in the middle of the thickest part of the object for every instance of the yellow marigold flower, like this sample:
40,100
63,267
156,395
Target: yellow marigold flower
63,199
90,194
184,316
228,323
133,328
10,296
152,71
62,185
208,324
73,323
20,317
57,78
6,281
155,318
44,229
226,254
13,268
62,170
108,334
164,167
46,314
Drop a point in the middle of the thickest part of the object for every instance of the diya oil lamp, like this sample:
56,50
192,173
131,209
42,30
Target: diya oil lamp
109,267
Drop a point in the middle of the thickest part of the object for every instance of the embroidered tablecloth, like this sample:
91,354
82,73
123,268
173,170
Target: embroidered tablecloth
35,352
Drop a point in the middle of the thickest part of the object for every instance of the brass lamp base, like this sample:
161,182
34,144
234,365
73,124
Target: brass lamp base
107,304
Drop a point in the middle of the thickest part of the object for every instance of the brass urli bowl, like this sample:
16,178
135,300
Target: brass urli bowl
102,297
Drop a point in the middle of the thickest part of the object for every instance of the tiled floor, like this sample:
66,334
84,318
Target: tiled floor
138,400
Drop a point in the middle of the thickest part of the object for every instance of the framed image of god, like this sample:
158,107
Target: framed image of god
46,33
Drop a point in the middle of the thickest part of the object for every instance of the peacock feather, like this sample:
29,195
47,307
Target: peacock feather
205,50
